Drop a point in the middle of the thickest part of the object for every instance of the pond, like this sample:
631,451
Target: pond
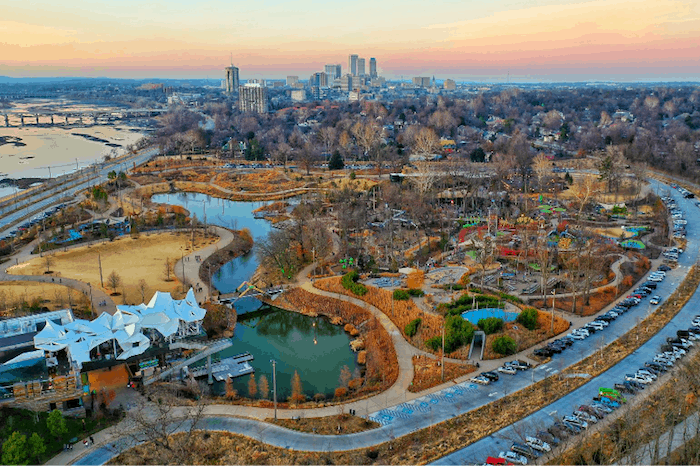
475,315
312,346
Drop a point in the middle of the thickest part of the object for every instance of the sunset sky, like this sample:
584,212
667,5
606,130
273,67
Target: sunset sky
479,40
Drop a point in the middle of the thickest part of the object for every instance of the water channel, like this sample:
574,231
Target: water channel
311,346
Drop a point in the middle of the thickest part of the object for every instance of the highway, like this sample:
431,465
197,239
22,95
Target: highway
35,204
477,452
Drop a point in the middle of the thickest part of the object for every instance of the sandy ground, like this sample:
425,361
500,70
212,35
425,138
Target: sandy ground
132,259
614,232
53,296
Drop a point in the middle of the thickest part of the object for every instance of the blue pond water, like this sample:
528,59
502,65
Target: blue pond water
474,316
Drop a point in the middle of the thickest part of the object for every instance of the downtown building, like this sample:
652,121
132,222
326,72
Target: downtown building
232,81
252,97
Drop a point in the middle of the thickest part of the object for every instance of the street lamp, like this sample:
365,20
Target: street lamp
274,384
554,296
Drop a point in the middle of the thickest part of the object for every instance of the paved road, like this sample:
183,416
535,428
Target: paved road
33,205
501,440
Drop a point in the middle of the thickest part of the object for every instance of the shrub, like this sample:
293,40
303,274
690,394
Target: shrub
416,292
341,392
528,318
412,327
349,282
434,343
401,295
490,325
505,345
458,332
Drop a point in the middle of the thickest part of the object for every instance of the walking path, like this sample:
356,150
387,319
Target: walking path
192,265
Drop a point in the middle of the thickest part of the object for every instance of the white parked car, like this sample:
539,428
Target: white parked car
537,444
512,457
480,379
507,370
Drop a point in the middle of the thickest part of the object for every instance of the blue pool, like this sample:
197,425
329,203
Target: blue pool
475,315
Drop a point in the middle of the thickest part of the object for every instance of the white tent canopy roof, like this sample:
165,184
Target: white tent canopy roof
162,313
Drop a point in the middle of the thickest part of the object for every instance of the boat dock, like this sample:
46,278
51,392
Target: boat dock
231,367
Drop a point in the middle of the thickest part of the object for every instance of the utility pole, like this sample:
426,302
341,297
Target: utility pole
274,384
182,259
442,364
92,307
99,261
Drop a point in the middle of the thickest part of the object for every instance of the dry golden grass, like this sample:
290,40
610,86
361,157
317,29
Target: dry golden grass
327,425
358,184
51,295
263,181
427,372
400,312
132,259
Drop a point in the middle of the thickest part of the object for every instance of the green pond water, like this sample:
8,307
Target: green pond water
311,346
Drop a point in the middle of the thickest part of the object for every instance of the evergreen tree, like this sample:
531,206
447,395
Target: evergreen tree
336,161
37,446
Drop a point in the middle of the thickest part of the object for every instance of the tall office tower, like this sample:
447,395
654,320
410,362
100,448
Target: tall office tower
232,81
292,80
252,97
318,80
372,67
357,82
338,70
449,85
332,71
360,66
352,65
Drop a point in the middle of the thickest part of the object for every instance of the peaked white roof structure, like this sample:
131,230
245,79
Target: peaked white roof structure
171,318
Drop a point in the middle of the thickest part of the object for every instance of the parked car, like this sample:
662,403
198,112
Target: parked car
638,378
492,376
480,379
524,450
576,421
513,457
510,370
602,407
543,352
656,299
585,417
547,437
537,444
521,365
592,411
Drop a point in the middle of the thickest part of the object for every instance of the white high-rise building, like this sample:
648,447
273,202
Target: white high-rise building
252,97
352,65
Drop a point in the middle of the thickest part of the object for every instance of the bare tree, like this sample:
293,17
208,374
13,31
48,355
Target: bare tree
484,255
155,421
114,280
48,262
168,269
425,177
143,287
541,165
585,188
425,143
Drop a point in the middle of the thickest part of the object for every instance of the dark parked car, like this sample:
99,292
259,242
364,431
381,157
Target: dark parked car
492,376
543,352
524,450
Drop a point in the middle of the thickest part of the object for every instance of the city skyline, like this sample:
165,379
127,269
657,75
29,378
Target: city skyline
545,40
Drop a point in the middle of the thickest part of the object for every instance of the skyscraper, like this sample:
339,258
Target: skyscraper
352,65
360,66
372,67
333,71
252,97
232,81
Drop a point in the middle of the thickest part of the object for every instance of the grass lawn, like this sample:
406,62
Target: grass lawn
132,259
